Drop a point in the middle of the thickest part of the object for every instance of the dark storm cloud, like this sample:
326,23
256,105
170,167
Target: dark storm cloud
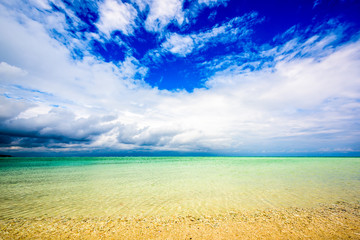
57,126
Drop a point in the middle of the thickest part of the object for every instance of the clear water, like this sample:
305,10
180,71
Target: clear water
140,186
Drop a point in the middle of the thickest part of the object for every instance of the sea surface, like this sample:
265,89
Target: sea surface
171,186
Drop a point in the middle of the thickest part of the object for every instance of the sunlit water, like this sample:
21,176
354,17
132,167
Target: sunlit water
96,187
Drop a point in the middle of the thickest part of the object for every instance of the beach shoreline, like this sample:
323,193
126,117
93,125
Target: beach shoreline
327,221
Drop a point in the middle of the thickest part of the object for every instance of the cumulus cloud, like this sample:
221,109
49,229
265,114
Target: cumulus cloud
162,13
116,15
179,45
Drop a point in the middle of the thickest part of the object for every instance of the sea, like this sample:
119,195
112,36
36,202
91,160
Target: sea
171,186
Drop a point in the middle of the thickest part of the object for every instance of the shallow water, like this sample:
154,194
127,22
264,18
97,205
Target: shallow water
140,186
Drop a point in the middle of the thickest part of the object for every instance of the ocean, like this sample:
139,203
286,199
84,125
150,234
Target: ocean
171,186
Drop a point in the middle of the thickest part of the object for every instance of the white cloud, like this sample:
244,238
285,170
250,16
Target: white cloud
162,13
116,15
43,4
141,4
212,2
298,97
178,45
10,108
300,82
231,31
9,70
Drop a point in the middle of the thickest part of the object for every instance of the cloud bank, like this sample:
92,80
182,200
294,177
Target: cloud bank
298,95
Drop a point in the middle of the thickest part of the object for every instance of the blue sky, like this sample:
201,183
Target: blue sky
155,77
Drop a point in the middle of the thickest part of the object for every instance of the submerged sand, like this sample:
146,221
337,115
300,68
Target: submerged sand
335,221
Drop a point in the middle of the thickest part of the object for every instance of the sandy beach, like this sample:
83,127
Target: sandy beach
334,221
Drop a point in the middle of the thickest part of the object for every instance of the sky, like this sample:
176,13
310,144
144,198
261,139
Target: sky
180,77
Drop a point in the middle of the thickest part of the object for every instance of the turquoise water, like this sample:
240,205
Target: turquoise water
140,186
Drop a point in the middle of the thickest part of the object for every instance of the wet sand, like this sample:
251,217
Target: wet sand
335,221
